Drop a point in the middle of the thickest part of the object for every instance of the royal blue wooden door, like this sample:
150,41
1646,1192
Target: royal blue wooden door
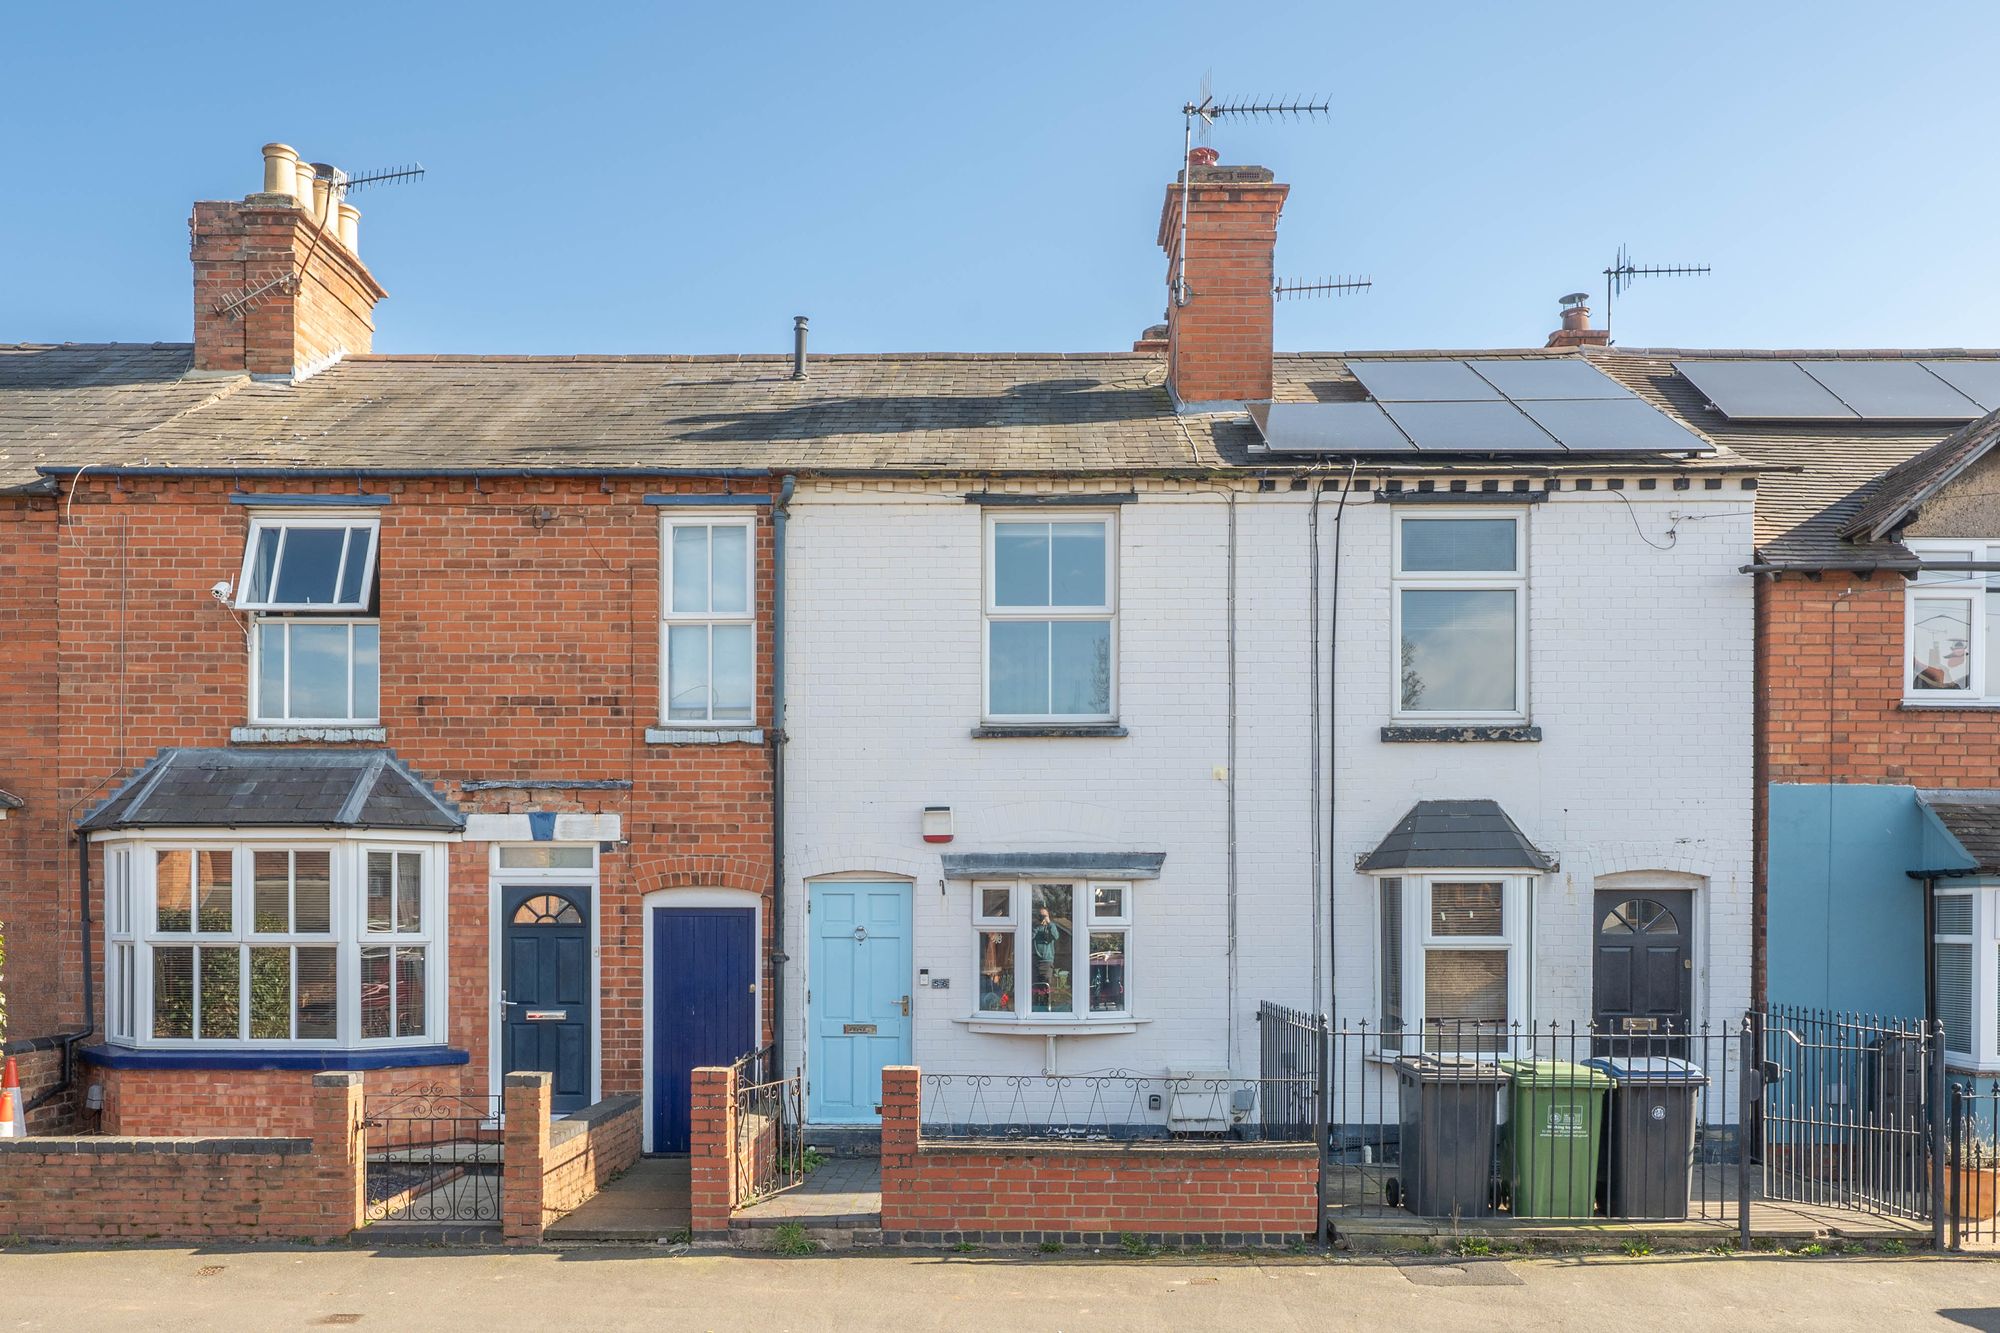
858,1009
546,975
704,1005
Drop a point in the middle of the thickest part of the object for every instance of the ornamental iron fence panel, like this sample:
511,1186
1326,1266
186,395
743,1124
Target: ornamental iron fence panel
770,1130
1972,1168
433,1157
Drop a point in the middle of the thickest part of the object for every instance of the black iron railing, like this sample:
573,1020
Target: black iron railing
1972,1166
433,1157
770,1129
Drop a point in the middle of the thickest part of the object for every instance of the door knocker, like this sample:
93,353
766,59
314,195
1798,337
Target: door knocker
860,934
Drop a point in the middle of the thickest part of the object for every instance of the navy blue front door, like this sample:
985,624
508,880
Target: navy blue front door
546,976
704,1005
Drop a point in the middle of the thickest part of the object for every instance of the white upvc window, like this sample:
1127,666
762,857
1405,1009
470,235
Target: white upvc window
325,562
1460,611
708,630
1047,950
1452,959
1965,971
290,940
1051,619
1951,621
315,646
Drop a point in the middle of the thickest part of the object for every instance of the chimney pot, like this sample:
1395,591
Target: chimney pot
324,208
1576,330
350,228
281,174
302,185
798,347
1203,157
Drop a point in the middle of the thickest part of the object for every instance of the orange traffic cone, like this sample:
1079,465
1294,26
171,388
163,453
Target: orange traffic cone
13,1108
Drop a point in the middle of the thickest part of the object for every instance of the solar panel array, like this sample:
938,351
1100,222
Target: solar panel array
1847,389
1478,405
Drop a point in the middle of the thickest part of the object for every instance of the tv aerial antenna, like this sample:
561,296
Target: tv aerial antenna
1197,118
339,186
1623,272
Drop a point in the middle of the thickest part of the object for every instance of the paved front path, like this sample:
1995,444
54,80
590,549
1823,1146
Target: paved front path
843,1192
606,1288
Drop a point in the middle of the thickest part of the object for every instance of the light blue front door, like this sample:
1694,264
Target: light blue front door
858,999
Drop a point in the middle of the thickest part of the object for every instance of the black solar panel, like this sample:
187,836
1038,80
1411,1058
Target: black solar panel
1473,428
1892,390
1421,381
1977,380
1614,425
1524,380
1764,390
1318,428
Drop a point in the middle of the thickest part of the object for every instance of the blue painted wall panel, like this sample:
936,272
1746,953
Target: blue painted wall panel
1845,928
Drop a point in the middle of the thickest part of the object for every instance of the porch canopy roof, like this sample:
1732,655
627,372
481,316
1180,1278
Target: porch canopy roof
1456,835
1972,821
220,788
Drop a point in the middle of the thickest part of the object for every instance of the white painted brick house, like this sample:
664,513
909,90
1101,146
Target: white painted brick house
1087,675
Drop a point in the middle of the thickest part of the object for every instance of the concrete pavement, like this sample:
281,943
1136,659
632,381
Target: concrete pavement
592,1288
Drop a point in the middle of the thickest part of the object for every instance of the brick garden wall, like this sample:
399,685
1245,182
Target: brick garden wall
1216,1194
163,1102
551,1170
193,1188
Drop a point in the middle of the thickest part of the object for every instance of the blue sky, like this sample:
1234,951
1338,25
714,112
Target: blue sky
988,177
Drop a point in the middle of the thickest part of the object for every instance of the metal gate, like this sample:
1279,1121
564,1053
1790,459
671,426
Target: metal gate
433,1158
1851,1112
1972,1170
770,1129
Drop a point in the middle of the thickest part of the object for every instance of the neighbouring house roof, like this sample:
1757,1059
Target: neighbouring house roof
201,788
1973,820
1450,835
9,801
1903,489
1818,477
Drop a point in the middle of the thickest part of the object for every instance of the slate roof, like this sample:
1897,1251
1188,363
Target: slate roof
1895,499
218,788
1974,819
1448,835
1818,476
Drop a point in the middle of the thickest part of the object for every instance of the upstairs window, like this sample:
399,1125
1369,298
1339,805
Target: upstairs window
708,632
1051,646
1461,617
1951,621
315,647
308,564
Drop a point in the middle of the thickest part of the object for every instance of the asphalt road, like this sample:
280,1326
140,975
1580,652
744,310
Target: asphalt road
616,1289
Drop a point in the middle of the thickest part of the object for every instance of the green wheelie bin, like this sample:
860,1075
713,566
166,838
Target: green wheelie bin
1554,1131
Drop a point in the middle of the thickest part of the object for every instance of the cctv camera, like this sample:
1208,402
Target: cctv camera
220,592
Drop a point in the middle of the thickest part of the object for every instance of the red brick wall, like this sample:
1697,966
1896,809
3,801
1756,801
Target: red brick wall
1831,663
519,642
1219,343
269,1102
195,1189
551,1170
1238,1193
40,1069
712,1152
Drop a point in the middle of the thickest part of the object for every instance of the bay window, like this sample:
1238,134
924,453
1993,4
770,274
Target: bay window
315,646
1965,971
1051,641
286,941
1951,622
1052,950
1460,610
1452,959
707,621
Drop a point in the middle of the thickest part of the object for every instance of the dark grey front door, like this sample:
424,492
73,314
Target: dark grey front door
1645,967
546,974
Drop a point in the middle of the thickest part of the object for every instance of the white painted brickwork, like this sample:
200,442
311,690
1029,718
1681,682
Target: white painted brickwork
1640,677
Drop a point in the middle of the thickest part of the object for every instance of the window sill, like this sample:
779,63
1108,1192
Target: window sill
295,735
1044,1027
1950,706
1058,730
317,1058
704,736
1517,732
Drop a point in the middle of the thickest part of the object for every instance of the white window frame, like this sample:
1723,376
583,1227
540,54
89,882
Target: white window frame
260,712
130,863
1018,922
1514,580
670,618
260,522
1517,891
1984,942
1982,685
993,612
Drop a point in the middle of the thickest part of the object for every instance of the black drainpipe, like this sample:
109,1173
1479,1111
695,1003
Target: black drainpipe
1930,967
780,511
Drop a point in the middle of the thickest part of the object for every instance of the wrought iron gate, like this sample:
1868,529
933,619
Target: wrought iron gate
1972,1170
433,1157
770,1129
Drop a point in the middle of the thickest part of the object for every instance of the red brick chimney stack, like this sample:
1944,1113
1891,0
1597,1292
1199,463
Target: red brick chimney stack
307,315
1219,341
1576,330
